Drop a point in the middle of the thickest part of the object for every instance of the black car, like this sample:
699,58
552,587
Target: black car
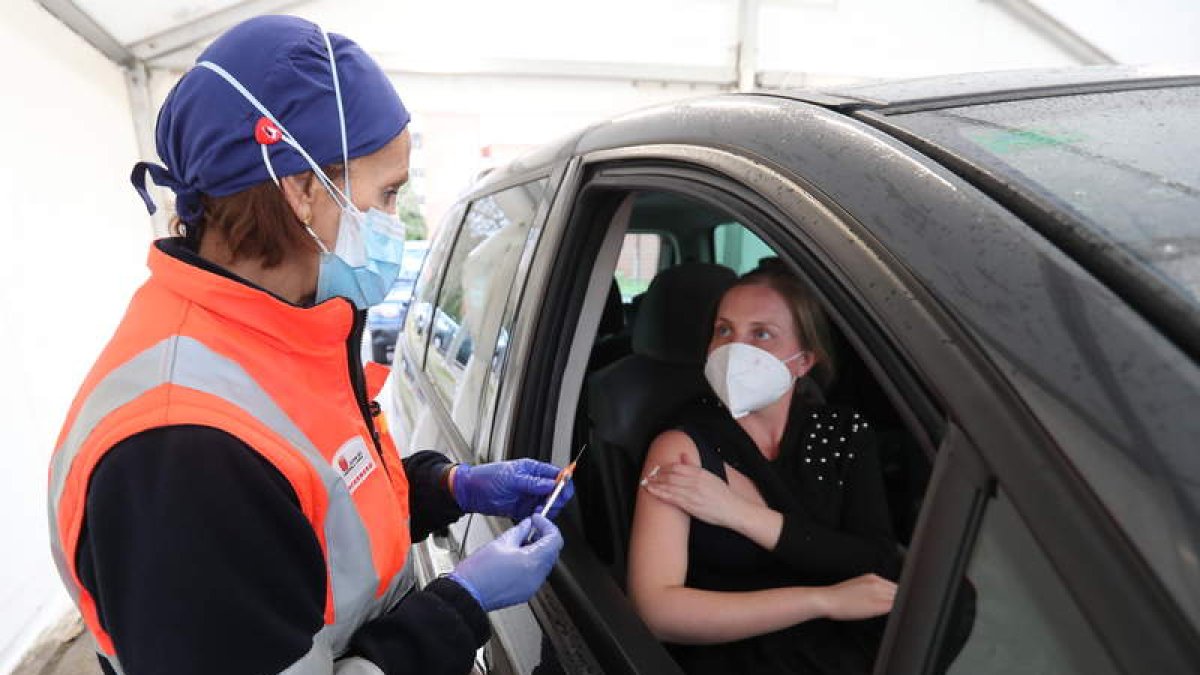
1012,266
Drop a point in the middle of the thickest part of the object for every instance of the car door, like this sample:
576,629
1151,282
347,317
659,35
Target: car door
451,357
1008,533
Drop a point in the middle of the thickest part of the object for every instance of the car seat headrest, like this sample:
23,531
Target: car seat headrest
674,320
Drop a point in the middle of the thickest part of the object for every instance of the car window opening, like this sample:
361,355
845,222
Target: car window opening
647,363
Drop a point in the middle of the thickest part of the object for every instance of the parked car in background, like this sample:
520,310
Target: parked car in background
384,320
1011,266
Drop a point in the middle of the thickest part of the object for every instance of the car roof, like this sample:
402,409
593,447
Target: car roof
537,161
973,88
888,97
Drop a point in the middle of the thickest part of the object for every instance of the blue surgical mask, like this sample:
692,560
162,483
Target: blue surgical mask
366,258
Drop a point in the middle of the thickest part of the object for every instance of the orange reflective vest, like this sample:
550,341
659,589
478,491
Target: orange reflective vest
198,348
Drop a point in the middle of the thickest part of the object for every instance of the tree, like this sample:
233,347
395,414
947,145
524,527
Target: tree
410,214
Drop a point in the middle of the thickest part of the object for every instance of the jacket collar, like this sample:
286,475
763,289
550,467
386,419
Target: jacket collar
182,271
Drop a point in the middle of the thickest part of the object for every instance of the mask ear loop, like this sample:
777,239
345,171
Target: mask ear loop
287,137
271,170
337,92
795,356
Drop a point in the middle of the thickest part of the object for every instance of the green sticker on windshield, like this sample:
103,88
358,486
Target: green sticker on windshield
1004,141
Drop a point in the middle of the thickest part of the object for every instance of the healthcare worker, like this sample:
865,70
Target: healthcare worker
221,497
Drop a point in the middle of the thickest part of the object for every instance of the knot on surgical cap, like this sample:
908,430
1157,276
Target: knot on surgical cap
206,129
187,200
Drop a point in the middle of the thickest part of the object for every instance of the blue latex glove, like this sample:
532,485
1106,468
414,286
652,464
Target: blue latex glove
505,572
515,489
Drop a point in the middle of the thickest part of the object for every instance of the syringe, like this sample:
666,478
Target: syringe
560,482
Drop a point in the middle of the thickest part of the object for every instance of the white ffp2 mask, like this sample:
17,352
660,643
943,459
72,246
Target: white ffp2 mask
746,378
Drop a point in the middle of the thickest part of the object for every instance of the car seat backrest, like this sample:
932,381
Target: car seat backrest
612,338
674,318
612,319
632,400
903,463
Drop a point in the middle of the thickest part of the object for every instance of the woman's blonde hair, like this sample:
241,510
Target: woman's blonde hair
808,317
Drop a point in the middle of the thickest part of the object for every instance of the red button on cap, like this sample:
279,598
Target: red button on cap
266,133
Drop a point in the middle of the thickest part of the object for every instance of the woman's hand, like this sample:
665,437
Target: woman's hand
700,493
862,597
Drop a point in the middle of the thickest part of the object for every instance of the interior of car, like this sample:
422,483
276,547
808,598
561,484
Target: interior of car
677,256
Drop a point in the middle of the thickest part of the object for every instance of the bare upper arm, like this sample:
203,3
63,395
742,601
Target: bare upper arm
658,538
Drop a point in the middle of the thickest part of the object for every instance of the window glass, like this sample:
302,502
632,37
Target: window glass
416,325
1025,620
641,258
465,323
737,247
414,255
420,310
491,391
1120,163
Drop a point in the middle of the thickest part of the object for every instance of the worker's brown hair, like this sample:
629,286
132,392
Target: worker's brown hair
808,317
256,223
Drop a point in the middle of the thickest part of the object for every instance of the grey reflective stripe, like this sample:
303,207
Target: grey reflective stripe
319,661
113,662
186,362
356,666
404,581
138,375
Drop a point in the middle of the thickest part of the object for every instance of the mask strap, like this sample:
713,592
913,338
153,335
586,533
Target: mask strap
320,244
795,356
337,92
270,169
337,194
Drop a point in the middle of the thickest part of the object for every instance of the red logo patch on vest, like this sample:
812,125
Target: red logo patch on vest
354,462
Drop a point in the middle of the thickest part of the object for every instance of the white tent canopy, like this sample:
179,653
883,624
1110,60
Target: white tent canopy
482,79
496,73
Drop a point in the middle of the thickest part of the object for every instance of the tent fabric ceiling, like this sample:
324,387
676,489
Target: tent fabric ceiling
704,34
517,32
688,33
132,21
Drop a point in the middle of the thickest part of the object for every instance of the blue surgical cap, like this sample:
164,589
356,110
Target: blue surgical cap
206,128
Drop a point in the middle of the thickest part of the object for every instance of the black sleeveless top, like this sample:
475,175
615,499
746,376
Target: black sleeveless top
828,484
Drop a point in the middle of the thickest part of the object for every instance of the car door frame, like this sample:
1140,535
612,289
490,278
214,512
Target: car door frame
580,579
444,549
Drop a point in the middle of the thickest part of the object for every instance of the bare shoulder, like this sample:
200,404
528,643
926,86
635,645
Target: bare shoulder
670,447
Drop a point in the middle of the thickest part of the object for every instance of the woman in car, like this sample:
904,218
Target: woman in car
761,540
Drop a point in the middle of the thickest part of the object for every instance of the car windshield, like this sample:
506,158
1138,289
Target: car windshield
1124,164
